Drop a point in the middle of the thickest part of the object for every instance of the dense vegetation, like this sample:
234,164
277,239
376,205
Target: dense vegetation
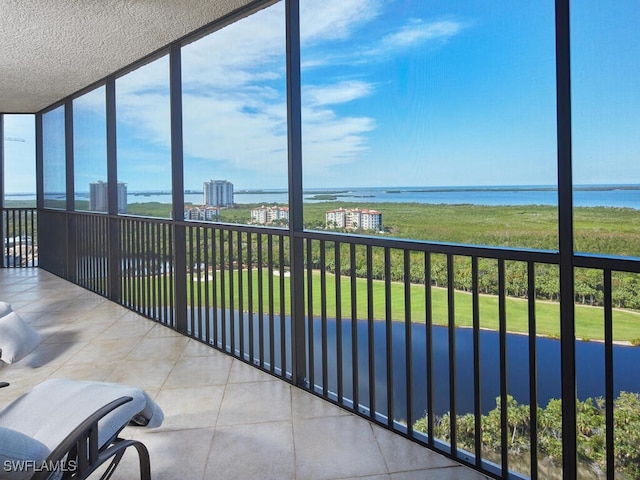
591,435
603,230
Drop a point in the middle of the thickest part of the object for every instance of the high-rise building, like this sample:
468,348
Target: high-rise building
98,197
218,193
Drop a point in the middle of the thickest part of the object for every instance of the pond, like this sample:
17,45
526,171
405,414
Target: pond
589,361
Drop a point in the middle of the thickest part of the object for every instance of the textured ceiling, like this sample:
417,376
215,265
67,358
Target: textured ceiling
50,49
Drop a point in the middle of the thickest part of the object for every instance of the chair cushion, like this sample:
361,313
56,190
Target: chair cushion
5,308
19,454
52,409
17,338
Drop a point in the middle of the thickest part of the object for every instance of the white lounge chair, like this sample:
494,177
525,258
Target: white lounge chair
67,429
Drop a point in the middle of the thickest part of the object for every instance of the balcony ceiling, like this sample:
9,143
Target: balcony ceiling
52,48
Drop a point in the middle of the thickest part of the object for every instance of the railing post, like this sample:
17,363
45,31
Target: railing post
177,174
565,234
296,223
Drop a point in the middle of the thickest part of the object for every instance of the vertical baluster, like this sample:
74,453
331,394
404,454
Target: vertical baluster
408,359
502,320
338,298
354,326
477,397
533,370
452,354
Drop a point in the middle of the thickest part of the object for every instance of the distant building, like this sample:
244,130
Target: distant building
354,218
98,197
203,213
266,215
218,193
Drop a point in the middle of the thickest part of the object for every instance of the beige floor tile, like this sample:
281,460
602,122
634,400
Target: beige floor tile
161,348
244,373
97,371
252,452
55,353
258,402
193,407
307,405
198,349
146,374
175,455
128,328
200,371
110,350
400,453
450,473
336,447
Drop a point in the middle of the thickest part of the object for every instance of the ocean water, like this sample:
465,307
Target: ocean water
625,196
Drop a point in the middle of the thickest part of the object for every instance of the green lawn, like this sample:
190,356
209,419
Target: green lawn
589,320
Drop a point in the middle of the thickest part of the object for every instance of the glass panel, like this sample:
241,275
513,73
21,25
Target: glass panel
144,140
54,159
431,120
235,124
19,161
90,151
605,75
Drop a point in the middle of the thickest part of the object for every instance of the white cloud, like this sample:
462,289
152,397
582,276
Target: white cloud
418,31
234,96
334,19
337,93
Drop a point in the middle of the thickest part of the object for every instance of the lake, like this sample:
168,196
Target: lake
589,361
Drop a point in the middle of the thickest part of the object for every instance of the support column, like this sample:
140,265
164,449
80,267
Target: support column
177,175
296,225
114,250
565,234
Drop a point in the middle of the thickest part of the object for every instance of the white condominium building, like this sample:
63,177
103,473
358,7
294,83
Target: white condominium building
218,193
98,195
203,213
354,218
265,215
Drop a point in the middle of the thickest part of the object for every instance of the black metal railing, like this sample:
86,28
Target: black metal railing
19,238
146,255
238,301
92,254
430,340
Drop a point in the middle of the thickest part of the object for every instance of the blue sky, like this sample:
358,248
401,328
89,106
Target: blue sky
395,93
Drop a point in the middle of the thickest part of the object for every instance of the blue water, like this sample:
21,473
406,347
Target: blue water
608,196
589,361
625,196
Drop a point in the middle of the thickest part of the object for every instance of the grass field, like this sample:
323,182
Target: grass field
589,320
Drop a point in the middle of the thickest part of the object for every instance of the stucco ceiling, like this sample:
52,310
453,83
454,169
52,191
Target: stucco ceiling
50,49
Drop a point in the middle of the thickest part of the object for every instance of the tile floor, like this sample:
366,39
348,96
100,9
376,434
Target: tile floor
223,418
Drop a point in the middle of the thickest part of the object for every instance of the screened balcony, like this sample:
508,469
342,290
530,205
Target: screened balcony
433,235
224,418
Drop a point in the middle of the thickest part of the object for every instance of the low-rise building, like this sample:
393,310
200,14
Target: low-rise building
354,218
265,215
203,213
